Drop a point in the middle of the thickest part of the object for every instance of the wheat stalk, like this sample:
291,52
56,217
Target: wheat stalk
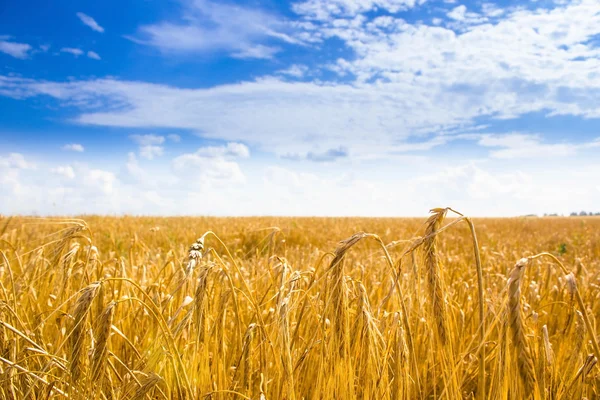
100,353
77,338
433,271
147,384
520,343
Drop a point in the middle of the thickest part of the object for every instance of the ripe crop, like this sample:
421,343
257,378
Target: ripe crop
299,308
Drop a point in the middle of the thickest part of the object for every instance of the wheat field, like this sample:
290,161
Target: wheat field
439,307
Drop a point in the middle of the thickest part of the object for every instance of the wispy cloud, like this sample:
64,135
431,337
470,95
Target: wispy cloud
290,117
520,145
403,81
174,138
387,101
148,140
231,149
295,71
321,156
208,26
71,50
14,49
73,147
150,145
256,51
89,21
330,9
93,55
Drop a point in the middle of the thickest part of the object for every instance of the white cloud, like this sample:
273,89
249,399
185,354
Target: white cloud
150,145
231,149
470,186
592,145
503,146
134,170
285,117
237,150
507,189
491,10
9,181
551,53
403,81
328,155
52,190
371,193
148,140
12,168
101,180
71,50
174,138
328,9
16,161
149,152
74,147
408,90
256,51
14,49
208,169
93,55
149,176
474,187
424,145
65,171
486,186
89,21
213,164
520,145
295,71
460,14
292,180
210,26
296,117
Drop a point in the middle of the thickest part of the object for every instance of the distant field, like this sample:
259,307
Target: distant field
299,308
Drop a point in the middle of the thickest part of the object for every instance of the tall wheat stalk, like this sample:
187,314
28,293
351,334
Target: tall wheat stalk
516,323
432,266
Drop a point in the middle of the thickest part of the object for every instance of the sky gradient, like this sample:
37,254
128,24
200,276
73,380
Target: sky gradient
309,107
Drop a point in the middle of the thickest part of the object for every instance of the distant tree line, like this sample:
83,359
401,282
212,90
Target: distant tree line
576,214
584,214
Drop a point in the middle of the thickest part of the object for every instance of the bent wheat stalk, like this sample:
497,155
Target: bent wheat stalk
482,394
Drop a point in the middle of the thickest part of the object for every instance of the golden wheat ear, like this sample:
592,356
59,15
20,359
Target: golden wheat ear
517,327
432,266
147,384
100,353
78,332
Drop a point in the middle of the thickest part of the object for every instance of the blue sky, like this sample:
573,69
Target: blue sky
309,107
